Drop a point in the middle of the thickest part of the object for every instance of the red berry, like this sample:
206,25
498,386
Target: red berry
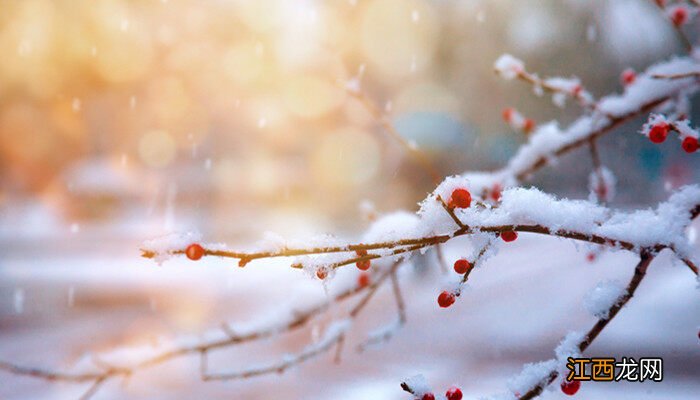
462,266
194,251
496,191
690,144
602,191
679,16
461,198
658,132
590,257
428,396
576,91
363,280
508,114
321,273
446,299
570,387
528,125
509,236
363,265
361,252
628,76
453,393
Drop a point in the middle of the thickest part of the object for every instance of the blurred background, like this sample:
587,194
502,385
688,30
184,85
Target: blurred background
123,120
130,110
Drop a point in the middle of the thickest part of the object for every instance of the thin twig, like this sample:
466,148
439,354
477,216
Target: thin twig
441,259
598,170
451,212
308,352
408,245
679,31
481,253
611,123
387,334
693,74
400,305
299,320
93,388
580,95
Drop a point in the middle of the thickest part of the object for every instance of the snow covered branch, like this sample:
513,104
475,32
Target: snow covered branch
519,210
488,208
565,350
510,67
125,362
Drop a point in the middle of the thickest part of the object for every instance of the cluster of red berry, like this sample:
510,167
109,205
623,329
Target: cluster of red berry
453,393
659,131
461,198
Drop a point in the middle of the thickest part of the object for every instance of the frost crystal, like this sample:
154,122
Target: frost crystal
654,119
685,130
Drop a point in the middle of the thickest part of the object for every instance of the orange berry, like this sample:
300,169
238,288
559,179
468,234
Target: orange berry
194,252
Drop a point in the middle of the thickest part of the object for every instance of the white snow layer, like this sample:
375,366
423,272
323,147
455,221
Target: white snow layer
602,297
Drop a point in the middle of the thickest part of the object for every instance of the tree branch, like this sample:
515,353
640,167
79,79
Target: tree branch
639,274
310,351
299,320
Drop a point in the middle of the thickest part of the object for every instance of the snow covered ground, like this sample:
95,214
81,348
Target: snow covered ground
75,294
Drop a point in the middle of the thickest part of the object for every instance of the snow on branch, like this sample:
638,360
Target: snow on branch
483,206
659,126
519,209
535,377
124,362
493,207
509,67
